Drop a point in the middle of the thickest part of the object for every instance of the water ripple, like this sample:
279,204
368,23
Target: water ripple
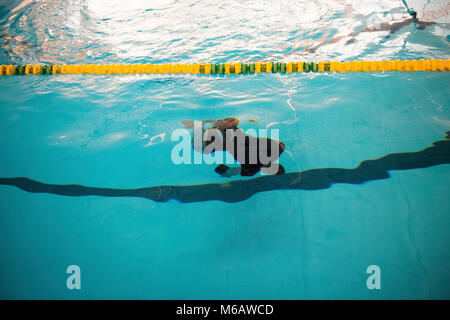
106,31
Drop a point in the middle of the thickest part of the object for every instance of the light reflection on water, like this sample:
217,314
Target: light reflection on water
103,31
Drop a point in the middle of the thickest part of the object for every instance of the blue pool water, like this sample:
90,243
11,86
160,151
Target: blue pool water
204,236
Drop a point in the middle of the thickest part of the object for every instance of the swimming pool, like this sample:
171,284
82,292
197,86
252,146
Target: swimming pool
195,236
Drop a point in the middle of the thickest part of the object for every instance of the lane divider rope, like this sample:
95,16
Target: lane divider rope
230,68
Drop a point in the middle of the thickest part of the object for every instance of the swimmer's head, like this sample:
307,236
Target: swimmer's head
227,123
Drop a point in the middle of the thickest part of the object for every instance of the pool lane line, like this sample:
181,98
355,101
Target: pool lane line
240,190
230,68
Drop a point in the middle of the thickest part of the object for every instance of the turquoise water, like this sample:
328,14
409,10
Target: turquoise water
254,238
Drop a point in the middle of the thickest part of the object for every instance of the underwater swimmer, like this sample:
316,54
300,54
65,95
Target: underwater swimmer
427,19
254,154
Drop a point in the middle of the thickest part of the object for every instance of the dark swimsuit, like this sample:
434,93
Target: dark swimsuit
247,168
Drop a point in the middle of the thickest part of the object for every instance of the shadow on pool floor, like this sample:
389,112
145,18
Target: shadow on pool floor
239,190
